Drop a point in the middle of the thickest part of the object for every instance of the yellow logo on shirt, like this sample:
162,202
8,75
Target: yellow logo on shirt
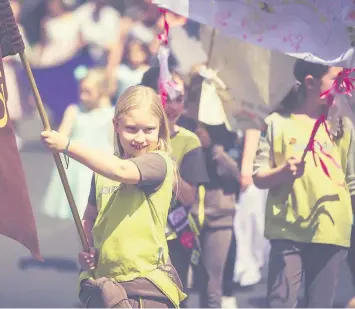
293,141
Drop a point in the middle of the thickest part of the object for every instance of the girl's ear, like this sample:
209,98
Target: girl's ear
159,143
115,123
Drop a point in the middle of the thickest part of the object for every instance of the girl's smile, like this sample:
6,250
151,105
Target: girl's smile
138,132
138,146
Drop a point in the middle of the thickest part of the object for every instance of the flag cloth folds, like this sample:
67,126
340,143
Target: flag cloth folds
16,216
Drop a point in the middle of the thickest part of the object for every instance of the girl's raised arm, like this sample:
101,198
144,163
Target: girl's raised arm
101,162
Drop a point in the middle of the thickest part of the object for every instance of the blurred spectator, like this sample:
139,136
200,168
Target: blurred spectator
249,223
87,123
99,29
134,64
220,198
59,39
143,16
250,240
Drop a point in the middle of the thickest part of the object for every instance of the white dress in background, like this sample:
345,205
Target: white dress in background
252,247
62,41
100,33
95,130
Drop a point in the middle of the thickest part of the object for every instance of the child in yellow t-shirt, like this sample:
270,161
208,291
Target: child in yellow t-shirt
190,159
308,215
127,212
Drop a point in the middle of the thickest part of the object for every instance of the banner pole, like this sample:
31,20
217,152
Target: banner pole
57,159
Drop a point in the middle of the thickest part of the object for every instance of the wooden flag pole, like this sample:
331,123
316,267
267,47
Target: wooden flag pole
210,48
57,159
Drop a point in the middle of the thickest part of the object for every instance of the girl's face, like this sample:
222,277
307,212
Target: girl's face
315,87
136,54
203,135
90,93
328,79
174,108
138,132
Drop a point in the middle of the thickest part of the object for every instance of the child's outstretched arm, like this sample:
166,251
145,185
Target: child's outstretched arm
266,174
226,166
274,177
185,192
249,151
103,163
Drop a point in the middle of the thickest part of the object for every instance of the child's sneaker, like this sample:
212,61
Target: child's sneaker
229,302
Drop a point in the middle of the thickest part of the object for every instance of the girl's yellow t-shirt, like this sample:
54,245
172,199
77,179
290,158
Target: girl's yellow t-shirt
314,208
129,233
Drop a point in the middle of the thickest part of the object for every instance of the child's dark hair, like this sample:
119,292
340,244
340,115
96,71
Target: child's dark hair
220,135
296,95
151,78
145,48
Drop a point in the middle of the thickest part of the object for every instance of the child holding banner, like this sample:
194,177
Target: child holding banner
126,215
308,215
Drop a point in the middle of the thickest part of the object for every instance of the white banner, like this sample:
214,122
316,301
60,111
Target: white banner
315,30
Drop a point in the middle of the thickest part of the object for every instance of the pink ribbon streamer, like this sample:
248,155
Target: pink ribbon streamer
343,85
164,39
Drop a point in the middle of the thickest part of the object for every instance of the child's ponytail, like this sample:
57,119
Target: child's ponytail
292,99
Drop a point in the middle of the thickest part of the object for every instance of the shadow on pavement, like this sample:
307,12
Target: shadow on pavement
60,264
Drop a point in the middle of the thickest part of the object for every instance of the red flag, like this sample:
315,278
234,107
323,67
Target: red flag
16,216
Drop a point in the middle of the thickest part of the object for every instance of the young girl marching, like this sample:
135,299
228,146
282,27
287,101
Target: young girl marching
89,122
128,206
308,214
189,157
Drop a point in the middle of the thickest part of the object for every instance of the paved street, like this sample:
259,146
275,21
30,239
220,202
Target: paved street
26,284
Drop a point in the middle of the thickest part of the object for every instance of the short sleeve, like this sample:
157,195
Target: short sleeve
263,153
152,168
92,194
350,166
193,168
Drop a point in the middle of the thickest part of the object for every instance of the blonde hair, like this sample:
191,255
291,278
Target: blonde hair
137,97
99,76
